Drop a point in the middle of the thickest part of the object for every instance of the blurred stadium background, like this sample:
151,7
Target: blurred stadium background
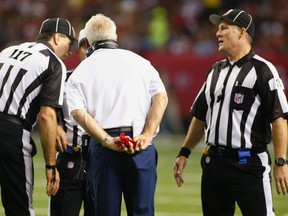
176,36
178,39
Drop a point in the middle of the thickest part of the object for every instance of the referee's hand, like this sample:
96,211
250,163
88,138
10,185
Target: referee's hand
281,178
178,168
61,139
53,181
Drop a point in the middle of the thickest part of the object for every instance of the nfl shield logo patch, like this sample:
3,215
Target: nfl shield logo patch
70,165
238,98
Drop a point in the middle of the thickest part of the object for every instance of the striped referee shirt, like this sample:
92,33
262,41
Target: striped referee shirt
31,75
74,132
239,102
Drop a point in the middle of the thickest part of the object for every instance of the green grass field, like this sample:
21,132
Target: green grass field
169,199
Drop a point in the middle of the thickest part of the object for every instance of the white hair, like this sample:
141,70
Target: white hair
99,27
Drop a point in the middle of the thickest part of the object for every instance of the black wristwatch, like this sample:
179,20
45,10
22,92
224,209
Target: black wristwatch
280,161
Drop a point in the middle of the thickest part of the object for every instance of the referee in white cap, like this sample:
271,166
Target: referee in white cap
70,164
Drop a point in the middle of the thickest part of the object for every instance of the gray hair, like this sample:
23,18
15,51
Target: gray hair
99,27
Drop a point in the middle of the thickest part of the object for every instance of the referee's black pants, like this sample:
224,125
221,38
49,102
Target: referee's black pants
16,169
72,190
226,181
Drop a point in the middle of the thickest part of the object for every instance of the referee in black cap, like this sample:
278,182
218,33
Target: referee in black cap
32,78
241,101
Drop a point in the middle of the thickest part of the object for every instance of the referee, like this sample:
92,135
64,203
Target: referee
241,100
32,78
70,164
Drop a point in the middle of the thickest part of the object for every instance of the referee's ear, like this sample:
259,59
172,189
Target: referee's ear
87,43
56,38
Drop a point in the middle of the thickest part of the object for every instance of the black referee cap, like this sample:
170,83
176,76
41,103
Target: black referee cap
59,25
237,17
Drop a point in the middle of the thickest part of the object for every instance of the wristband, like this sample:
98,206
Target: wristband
53,167
50,166
184,152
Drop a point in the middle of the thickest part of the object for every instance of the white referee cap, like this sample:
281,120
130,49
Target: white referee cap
81,37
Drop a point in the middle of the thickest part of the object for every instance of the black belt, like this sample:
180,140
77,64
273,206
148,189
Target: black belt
15,120
222,150
119,130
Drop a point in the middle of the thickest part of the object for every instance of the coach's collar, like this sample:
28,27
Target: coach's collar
103,44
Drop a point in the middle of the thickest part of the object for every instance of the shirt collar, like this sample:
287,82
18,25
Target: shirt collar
46,43
241,61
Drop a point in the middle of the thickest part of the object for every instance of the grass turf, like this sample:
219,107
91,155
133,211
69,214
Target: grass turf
169,199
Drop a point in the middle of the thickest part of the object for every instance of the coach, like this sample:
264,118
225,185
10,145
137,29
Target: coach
32,76
242,98
110,92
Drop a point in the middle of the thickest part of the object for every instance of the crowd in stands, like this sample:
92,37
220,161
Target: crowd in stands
174,26
179,27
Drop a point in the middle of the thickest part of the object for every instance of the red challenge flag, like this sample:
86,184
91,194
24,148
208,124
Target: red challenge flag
126,139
